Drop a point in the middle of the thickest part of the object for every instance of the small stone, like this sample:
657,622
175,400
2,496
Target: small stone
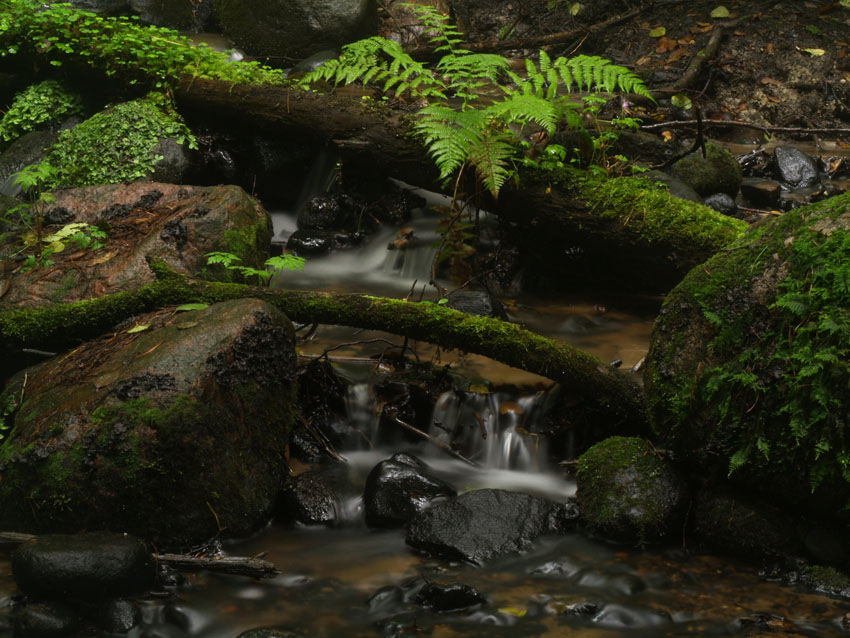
794,167
760,192
722,203
46,620
446,598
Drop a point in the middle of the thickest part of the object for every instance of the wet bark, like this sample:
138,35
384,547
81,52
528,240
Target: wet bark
598,390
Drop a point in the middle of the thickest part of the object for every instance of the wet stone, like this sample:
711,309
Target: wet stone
451,597
310,242
83,566
270,632
760,192
722,203
317,497
794,167
46,620
117,616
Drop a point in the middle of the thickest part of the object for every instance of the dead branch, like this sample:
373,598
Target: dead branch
235,565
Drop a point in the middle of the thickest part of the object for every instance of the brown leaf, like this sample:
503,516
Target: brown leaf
769,48
102,259
677,55
771,81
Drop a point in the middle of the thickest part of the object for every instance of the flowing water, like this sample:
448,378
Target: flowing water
353,581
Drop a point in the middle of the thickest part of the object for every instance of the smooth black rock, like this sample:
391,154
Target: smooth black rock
317,497
324,212
760,192
479,525
722,203
83,566
795,167
475,302
117,616
452,597
46,620
310,242
399,488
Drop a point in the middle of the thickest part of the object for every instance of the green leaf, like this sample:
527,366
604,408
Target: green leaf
191,306
720,12
657,32
682,101
138,328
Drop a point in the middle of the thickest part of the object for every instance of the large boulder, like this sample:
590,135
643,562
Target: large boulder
747,373
173,224
295,28
627,493
479,525
173,428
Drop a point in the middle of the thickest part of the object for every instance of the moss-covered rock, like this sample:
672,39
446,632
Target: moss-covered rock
748,371
143,221
173,433
121,144
717,172
627,493
39,106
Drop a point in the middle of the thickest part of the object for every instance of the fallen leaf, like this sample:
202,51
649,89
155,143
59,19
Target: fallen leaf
513,611
702,29
681,101
644,60
704,24
187,324
104,258
138,328
657,32
677,55
812,51
667,135
686,41
739,33
720,12
191,306
775,100
479,388
771,81
769,48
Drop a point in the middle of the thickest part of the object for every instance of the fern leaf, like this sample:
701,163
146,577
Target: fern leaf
490,159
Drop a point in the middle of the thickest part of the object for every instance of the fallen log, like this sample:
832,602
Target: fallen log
598,390
234,565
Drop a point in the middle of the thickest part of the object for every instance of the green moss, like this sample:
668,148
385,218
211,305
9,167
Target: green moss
41,105
717,172
771,386
827,579
116,145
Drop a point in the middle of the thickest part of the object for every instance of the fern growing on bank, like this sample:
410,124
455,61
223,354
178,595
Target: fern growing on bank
474,101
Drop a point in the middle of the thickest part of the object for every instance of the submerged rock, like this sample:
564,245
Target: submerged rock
627,493
173,433
482,524
83,566
399,488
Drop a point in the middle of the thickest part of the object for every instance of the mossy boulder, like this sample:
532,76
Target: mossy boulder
717,172
144,221
173,428
123,143
40,106
295,28
627,493
747,374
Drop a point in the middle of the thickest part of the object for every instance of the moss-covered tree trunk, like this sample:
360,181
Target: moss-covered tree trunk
600,391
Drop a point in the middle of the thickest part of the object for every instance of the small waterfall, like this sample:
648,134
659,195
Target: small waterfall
361,408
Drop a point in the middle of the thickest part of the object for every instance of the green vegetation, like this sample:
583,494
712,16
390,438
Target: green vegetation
274,265
462,125
118,46
118,144
38,106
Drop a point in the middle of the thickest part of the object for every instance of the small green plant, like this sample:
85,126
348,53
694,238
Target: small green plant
38,106
274,264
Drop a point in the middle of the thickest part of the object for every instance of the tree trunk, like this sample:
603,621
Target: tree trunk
599,390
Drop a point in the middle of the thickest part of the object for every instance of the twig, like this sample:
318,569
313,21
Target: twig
766,129
698,62
443,446
237,565
15,538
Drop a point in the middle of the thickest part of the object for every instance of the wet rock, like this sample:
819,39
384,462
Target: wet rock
270,632
625,584
295,28
722,203
586,608
26,150
477,302
482,524
102,7
307,243
200,400
630,616
46,620
717,172
676,186
449,597
760,192
314,61
794,167
827,580
744,529
83,566
117,616
173,224
173,164
318,497
387,599
625,492
399,488
735,330
181,16
324,212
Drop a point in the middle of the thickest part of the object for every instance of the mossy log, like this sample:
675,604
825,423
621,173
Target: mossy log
600,391
631,231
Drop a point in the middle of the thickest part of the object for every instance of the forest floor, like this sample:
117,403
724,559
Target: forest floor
780,64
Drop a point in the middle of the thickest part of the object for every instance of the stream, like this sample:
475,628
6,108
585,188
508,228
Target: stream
353,581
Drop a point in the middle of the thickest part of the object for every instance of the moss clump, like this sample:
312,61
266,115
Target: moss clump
627,493
41,105
827,580
116,145
748,371
717,172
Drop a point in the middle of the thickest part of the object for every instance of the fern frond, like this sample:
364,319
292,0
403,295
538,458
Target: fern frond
490,159
450,135
525,108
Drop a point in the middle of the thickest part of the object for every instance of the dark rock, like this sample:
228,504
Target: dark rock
270,632
324,212
46,620
823,544
625,492
760,192
102,7
722,203
318,497
314,61
83,566
744,529
117,616
451,597
173,164
386,599
586,608
192,15
310,242
208,403
477,302
399,488
482,524
717,172
630,616
794,167
295,28
677,187
26,150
